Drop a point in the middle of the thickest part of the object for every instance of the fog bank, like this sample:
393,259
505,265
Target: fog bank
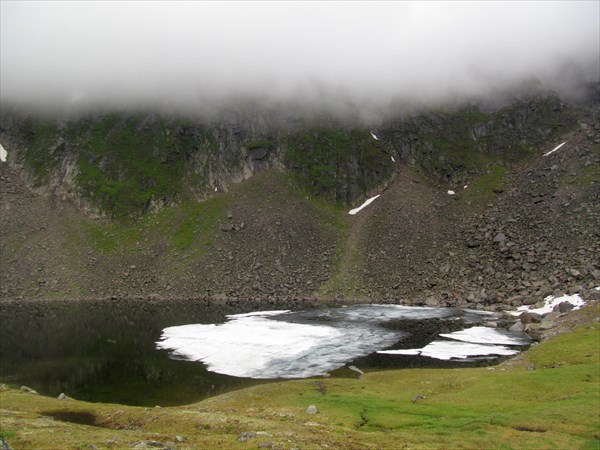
187,54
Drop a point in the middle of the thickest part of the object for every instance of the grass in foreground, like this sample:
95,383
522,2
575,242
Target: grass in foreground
504,407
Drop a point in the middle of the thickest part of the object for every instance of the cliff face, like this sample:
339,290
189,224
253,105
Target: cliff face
126,164
455,145
277,224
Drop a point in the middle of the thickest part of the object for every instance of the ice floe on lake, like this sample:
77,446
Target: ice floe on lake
486,335
447,350
354,211
283,344
468,343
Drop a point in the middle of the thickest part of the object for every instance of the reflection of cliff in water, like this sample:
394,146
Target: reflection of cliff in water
103,351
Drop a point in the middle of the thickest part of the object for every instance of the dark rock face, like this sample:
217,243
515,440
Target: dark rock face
536,235
441,142
257,153
121,164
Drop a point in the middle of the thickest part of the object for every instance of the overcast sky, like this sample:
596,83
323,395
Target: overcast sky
88,51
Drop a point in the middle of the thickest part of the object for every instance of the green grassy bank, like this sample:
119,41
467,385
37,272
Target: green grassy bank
510,406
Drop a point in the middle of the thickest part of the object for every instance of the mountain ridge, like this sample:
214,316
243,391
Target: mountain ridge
285,232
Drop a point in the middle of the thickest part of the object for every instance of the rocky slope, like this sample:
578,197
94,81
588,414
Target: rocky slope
526,225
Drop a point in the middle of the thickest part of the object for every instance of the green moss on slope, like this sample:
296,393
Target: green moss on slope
334,163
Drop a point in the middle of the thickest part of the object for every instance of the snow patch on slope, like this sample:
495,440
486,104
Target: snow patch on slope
355,211
549,303
555,148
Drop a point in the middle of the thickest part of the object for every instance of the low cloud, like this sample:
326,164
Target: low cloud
187,54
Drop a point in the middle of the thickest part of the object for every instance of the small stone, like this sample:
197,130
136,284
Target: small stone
356,369
145,444
246,436
63,396
564,307
4,445
500,238
528,317
312,409
517,327
227,227
532,327
574,272
28,390
431,301
417,398
180,439
547,324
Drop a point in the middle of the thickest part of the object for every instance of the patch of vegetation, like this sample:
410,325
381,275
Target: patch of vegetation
575,348
127,164
106,237
349,262
194,223
187,226
43,148
588,175
483,189
126,161
460,144
266,144
326,212
337,164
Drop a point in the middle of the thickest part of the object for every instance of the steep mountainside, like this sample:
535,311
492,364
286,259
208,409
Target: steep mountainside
154,206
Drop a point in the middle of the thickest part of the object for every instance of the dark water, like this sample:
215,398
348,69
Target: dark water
105,351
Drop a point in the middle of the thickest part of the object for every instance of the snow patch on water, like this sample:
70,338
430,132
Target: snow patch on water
354,211
486,335
262,345
258,313
447,350
284,344
252,346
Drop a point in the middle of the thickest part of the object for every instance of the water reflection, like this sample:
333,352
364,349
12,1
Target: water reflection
105,350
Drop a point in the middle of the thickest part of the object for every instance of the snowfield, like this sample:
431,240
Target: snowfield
355,211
